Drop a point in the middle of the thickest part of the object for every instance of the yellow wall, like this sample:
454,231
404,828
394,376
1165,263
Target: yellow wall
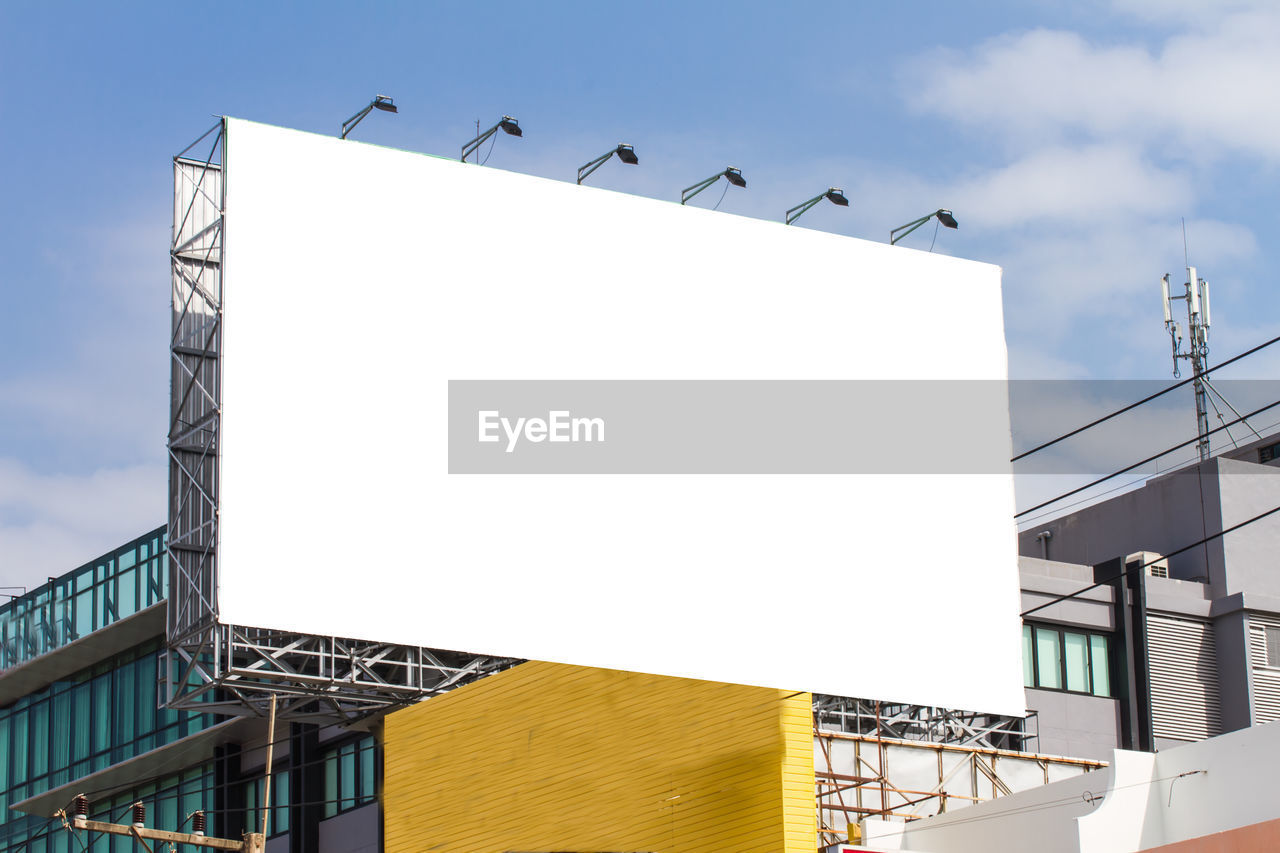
547,757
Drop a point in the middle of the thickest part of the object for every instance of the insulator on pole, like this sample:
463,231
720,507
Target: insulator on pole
139,814
197,823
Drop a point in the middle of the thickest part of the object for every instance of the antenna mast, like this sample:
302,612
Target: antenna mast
1197,349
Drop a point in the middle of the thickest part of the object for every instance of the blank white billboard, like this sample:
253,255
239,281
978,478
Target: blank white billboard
482,411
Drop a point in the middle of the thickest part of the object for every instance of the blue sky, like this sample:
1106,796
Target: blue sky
1069,139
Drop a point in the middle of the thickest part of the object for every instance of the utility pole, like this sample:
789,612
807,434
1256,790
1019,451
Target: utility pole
1197,349
251,843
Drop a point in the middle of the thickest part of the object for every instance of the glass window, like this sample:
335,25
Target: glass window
1075,648
1271,634
347,777
1028,658
368,777
330,785
1101,665
350,776
1055,659
279,818
1048,658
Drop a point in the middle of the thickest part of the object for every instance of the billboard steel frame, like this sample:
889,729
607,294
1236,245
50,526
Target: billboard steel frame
219,668
230,669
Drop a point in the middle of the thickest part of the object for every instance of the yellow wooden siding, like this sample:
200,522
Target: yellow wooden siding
546,757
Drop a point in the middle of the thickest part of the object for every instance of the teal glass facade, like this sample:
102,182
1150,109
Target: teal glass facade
170,800
110,712
115,586
98,716
350,776
86,722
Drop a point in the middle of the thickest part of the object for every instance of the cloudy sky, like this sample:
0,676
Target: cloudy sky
1071,140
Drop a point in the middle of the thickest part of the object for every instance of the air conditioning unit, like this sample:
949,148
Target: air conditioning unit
1157,566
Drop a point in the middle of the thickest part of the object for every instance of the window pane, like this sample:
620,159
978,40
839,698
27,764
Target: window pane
347,778
82,720
101,713
1049,658
331,784
1101,666
126,705
280,799
1028,662
1272,635
368,784
1076,649
40,739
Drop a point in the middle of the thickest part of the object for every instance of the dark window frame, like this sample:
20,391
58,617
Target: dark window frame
1090,668
365,790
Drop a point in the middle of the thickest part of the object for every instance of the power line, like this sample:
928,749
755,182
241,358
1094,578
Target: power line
1028,523
1139,463
1146,399
1134,566
1084,796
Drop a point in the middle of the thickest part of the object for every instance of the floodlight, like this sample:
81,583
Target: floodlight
732,174
626,153
379,102
507,125
833,194
945,217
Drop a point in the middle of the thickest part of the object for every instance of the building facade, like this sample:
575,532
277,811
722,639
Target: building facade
1181,596
80,713
1130,640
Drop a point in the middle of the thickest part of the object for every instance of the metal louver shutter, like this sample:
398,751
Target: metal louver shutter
1264,669
1184,678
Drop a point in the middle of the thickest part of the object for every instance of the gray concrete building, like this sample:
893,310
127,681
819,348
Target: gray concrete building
1177,641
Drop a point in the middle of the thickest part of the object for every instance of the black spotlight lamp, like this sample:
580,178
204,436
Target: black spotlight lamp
945,217
626,153
834,195
508,125
380,102
731,174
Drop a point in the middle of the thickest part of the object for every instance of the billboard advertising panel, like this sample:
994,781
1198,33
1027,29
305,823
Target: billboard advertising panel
476,410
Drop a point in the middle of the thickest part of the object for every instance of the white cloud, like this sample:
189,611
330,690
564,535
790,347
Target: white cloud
53,523
1199,90
1187,11
1075,185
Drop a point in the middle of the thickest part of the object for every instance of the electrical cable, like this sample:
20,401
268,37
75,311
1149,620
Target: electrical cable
1058,803
492,142
1028,523
1146,399
1141,462
336,743
42,833
1135,567
1234,444
178,792
722,192
936,222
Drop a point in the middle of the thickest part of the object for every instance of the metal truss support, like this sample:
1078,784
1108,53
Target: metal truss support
925,723
867,775
229,669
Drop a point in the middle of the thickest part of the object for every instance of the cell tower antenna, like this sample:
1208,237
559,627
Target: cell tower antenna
1196,295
